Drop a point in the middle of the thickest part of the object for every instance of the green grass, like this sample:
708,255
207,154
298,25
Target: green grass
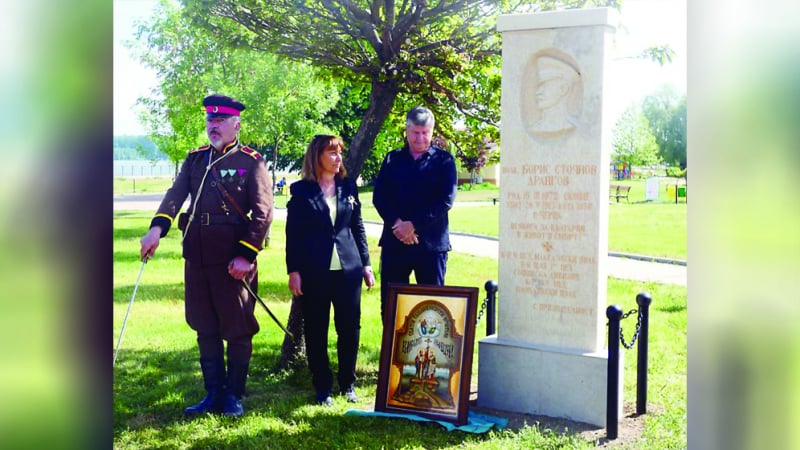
141,185
648,229
157,373
642,227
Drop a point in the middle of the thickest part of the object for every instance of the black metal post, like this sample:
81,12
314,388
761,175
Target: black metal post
491,306
676,192
643,300
614,314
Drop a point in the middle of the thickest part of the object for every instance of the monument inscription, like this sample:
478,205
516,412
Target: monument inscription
549,348
548,248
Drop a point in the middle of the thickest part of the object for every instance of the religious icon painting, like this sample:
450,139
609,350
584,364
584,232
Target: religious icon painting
426,352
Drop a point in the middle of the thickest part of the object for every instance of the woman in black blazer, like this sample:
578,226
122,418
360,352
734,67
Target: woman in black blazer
326,258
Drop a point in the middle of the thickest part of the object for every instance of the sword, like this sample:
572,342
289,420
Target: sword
135,287
255,296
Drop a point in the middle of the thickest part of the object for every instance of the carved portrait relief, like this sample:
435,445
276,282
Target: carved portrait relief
552,93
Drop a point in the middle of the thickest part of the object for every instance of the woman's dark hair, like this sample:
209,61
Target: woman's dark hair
319,145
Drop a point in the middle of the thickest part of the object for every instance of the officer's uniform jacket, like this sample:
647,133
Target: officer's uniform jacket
217,233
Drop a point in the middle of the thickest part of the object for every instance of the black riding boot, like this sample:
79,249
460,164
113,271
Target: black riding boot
234,389
214,381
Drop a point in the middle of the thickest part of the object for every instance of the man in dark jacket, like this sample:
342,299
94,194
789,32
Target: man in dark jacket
229,217
414,190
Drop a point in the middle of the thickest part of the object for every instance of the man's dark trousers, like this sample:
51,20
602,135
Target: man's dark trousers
397,263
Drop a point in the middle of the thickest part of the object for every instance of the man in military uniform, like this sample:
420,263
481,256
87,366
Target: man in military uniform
228,218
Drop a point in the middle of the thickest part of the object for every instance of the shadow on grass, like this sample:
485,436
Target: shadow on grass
150,385
121,256
269,291
274,289
152,292
130,225
151,389
673,308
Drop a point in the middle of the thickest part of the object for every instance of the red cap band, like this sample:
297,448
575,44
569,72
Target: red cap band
222,110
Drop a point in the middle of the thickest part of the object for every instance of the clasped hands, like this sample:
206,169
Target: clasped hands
404,231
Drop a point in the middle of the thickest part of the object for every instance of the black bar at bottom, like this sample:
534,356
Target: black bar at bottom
614,313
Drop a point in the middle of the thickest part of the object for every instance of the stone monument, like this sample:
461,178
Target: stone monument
548,356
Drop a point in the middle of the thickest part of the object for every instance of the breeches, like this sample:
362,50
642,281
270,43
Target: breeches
219,307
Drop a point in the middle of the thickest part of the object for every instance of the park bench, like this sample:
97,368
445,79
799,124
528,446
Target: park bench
619,191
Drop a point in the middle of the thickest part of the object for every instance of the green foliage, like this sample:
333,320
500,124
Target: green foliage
481,151
662,54
135,147
484,187
445,55
633,142
384,56
666,114
285,101
171,113
126,153
346,116
676,172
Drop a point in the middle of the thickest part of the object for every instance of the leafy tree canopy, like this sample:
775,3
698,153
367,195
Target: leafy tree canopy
135,147
633,142
442,54
666,113
285,100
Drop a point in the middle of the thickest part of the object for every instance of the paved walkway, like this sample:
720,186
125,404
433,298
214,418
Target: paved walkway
629,267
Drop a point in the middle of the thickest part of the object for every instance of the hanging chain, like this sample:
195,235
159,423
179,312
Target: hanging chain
635,333
483,308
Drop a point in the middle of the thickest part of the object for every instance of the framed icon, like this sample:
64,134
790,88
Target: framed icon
426,351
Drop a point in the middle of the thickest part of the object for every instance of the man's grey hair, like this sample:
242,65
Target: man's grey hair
420,116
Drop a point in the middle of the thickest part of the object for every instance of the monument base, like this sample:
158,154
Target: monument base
525,378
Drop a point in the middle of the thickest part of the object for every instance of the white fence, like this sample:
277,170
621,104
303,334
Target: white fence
143,168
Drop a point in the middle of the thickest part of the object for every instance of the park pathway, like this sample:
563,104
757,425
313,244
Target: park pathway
629,267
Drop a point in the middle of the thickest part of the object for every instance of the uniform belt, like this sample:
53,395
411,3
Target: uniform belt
220,219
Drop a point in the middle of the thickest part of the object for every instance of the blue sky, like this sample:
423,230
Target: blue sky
643,23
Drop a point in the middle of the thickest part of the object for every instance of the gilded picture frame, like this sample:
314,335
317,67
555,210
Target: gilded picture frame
426,351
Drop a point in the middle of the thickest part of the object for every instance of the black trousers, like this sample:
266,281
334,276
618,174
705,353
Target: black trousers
319,293
398,263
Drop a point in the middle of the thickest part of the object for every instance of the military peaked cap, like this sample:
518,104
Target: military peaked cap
222,106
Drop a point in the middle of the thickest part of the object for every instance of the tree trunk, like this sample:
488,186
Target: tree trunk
274,162
293,352
381,100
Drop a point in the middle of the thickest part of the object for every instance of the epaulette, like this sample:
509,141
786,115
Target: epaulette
249,151
200,149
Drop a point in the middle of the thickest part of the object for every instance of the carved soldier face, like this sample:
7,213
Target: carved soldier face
222,130
550,91
556,77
